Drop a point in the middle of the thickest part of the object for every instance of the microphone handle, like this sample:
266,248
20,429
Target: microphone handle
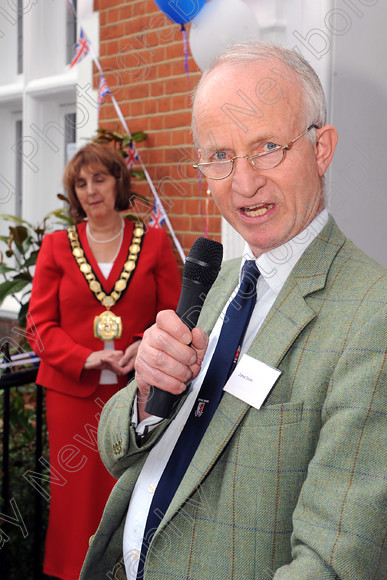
193,294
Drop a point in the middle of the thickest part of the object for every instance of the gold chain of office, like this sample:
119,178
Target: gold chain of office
107,326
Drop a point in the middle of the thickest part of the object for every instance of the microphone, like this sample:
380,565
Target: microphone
201,269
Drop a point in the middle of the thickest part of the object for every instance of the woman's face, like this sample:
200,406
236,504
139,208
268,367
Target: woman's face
96,192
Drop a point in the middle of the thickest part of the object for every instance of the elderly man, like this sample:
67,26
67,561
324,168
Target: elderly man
287,479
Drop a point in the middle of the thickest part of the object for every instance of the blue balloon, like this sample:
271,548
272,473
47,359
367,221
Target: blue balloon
180,11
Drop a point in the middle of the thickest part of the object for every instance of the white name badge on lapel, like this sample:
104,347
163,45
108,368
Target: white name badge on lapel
252,381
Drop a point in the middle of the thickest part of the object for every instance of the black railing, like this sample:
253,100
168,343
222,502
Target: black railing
10,518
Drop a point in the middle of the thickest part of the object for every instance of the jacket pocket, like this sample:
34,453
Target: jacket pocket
280,414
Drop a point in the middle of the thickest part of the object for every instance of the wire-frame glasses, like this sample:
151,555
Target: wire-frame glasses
265,160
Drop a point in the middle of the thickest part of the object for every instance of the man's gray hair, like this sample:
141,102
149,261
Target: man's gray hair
313,107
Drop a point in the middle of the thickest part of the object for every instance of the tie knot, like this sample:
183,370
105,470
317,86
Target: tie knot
250,273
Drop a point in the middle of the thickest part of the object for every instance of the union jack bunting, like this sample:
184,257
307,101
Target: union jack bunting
103,89
133,156
82,48
157,217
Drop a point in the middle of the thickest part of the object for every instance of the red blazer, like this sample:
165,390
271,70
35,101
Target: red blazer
62,307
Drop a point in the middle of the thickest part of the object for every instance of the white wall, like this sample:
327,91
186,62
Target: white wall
358,104
348,40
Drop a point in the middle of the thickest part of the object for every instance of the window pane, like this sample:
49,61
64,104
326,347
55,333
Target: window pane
19,36
71,28
70,135
18,170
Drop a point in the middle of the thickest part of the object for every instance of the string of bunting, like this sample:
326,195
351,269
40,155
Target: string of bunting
83,47
186,54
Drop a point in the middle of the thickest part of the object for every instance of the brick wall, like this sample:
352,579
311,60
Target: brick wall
142,55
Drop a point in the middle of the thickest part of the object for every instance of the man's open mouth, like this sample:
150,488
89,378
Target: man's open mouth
257,210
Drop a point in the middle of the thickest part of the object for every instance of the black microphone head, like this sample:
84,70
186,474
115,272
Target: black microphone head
203,262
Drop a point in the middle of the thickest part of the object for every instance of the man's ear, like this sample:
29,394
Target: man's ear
325,147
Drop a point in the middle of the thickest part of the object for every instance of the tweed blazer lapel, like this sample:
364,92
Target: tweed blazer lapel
287,318
291,311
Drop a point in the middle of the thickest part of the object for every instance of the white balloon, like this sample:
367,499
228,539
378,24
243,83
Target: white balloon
219,24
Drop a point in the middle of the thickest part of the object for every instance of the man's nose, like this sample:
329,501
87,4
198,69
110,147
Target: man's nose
246,179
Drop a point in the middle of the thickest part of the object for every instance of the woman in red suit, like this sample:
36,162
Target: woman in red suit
97,287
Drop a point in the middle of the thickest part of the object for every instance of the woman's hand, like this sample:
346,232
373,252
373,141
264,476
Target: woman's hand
115,360
105,359
127,361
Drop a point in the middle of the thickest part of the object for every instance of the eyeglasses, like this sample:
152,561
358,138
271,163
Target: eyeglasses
265,160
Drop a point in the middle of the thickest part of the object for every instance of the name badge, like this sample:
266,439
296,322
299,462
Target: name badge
252,381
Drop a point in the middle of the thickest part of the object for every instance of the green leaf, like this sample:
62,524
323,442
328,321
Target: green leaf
138,136
102,139
20,419
26,293
62,197
22,316
117,136
10,287
20,235
15,219
55,213
133,218
27,244
62,216
138,173
4,269
23,276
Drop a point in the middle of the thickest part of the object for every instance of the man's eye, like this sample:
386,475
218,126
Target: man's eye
220,156
270,147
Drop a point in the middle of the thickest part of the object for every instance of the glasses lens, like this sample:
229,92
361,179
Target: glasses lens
268,160
216,170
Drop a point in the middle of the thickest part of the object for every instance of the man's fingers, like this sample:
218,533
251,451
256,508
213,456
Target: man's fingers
199,343
169,321
168,364
169,355
157,343
147,375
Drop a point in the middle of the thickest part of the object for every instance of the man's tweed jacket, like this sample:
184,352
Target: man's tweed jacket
296,489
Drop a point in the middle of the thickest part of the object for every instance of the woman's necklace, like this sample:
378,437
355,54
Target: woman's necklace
119,246
90,235
107,326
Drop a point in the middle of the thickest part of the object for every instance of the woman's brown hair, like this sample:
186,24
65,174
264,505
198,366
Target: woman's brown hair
97,155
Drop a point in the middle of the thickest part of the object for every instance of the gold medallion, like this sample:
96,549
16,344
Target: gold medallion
107,326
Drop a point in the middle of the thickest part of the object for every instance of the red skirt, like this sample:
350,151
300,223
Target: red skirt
79,483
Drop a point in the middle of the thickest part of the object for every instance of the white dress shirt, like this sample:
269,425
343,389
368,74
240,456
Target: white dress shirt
274,266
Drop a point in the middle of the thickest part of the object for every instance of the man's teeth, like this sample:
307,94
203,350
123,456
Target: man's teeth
257,211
